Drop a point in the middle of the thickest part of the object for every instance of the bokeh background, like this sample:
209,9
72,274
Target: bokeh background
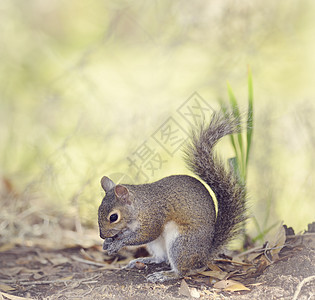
85,84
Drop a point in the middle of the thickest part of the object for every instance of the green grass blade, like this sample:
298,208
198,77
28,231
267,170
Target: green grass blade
236,112
234,166
249,115
261,236
256,224
224,108
233,101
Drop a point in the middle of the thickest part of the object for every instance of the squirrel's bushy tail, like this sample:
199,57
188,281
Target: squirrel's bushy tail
229,191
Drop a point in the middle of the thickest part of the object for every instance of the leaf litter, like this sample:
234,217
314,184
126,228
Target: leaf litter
76,271
47,256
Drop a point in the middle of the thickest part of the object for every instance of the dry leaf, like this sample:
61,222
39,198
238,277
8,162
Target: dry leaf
12,297
213,267
263,264
216,274
237,259
277,241
222,284
254,255
230,286
184,289
236,287
67,278
233,262
7,247
6,288
205,280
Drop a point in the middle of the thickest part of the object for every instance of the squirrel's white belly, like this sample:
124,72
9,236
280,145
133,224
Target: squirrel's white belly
159,248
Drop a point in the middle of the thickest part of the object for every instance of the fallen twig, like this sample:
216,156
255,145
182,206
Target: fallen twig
90,262
300,285
50,281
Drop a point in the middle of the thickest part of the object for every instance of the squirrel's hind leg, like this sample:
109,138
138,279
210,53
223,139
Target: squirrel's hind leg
157,249
183,258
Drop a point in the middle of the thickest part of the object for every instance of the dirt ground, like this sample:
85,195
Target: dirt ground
87,273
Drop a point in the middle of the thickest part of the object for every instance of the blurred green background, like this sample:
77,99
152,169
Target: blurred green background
83,84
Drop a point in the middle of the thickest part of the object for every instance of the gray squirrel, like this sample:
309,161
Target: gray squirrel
176,216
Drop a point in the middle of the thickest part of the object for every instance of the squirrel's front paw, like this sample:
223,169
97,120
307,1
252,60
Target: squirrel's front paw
113,247
107,242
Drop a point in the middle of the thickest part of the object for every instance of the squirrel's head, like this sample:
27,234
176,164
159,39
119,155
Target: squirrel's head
115,213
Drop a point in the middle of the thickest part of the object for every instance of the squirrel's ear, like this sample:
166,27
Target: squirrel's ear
122,193
107,184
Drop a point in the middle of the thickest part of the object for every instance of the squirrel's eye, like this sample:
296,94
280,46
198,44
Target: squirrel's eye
113,217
